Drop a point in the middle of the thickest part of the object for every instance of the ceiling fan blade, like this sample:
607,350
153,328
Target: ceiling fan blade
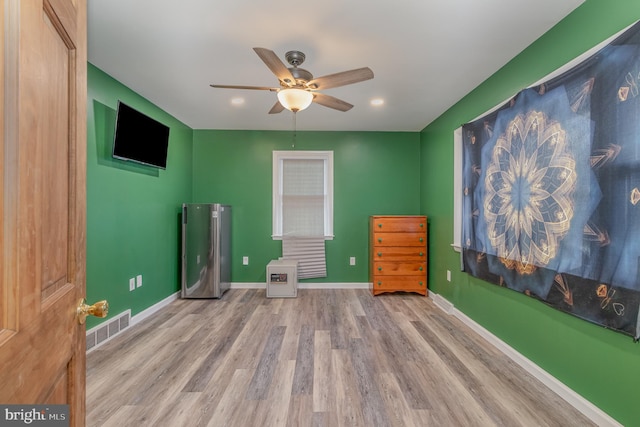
341,79
331,102
277,108
272,89
276,66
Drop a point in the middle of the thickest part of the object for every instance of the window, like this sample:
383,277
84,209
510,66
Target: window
302,194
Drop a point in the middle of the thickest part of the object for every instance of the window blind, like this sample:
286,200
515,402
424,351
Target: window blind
303,203
310,254
303,197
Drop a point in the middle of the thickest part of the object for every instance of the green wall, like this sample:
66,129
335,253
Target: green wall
601,365
374,173
132,210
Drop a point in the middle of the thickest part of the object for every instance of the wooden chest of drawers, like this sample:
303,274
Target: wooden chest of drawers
398,254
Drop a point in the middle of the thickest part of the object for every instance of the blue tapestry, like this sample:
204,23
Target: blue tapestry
551,182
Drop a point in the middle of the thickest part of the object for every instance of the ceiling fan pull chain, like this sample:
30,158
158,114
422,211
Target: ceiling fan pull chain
295,130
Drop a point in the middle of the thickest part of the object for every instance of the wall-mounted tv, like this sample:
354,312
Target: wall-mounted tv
139,138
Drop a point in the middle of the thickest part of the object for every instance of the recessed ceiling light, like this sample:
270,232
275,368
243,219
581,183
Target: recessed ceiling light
376,102
237,101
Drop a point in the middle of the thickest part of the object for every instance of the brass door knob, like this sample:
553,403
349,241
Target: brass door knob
99,309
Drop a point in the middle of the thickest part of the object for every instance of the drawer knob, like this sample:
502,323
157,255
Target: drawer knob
379,253
380,240
380,225
379,268
379,283
421,239
421,225
421,253
420,268
420,283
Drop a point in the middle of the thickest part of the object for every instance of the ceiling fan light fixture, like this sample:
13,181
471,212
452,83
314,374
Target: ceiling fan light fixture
295,99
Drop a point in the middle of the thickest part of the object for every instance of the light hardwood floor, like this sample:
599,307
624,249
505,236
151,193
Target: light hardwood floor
325,358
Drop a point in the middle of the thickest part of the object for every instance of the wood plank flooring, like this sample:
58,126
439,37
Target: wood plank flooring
325,358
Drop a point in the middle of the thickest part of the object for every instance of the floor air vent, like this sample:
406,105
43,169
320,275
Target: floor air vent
107,330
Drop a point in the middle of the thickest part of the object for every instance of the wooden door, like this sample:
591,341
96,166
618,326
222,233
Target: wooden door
42,203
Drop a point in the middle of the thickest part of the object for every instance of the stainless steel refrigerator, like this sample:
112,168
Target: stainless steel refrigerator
206,250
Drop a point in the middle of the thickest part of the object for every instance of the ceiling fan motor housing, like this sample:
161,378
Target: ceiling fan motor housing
301,75
295,58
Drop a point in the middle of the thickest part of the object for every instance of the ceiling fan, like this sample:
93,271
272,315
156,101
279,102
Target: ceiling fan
298,88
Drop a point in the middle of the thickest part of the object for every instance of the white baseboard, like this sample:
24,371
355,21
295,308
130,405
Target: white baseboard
591,411
154,308
442,303
353,285
248,285
262,285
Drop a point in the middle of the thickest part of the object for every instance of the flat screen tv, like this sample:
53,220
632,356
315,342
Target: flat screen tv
139,138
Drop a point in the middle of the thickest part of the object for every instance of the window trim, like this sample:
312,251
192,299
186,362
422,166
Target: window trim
457,190
278,158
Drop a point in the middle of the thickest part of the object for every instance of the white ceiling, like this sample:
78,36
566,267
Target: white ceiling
425,54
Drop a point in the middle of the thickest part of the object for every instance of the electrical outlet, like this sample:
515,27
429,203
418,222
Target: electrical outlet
448,275
245,260
139,280
352,260
132,284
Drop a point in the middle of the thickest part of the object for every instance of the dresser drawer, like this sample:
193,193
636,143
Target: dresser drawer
382,284
399,268
402,224
399,253
399,239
